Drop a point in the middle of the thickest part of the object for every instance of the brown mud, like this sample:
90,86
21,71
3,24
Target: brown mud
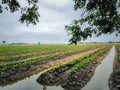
114,80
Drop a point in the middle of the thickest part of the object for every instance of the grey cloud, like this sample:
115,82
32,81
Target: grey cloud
54,16
34,37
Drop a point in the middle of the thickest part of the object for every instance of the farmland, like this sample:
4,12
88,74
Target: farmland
17,56
64,63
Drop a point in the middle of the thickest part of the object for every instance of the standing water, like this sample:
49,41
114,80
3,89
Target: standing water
99,81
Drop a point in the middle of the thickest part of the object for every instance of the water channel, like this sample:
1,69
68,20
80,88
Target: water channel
99,81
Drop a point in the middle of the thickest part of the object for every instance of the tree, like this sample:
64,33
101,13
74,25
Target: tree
29,13
98,17
38,43
3,42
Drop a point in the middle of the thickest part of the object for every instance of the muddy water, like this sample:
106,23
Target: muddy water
99,81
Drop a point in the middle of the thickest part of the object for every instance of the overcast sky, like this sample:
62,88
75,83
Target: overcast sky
54,16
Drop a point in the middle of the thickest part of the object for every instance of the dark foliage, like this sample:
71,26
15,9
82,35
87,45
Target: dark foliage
98,17
29,13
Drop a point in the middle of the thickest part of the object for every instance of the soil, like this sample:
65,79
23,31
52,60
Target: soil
11,76
114,80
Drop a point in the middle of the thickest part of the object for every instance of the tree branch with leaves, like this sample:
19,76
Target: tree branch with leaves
29,13
100,17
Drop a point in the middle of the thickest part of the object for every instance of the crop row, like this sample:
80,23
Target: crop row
77,63
18,64
21,63
38,54
17,49
28,50
118,50
27,55
86,61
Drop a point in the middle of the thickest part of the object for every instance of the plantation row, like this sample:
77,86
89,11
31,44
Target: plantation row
86,61
22,49
58,74
18,49
118,50
20,63
27,55
19,54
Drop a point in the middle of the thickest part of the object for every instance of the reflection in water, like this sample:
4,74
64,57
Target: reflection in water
28,84
15,78
12,79
44,87
7,82
52,88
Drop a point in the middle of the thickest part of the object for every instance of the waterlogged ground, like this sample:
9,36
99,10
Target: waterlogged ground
100,79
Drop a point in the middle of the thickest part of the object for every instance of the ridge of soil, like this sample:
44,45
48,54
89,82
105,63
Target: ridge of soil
114,80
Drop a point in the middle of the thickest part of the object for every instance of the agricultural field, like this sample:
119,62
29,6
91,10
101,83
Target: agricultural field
64,63
60,45
18,56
